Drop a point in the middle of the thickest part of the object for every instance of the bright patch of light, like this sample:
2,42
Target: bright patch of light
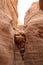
23,6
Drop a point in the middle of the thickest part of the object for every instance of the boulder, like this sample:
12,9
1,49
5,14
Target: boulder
19,39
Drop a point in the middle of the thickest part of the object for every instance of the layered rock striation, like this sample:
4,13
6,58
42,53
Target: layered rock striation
6,40
31,12
34,36
10,7
9,52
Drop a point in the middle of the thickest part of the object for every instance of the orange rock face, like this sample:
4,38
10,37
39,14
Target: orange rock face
6,40
10,7
34,37
9,52
31,12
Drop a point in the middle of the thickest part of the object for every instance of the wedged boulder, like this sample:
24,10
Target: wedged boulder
6,40
19,39
34,40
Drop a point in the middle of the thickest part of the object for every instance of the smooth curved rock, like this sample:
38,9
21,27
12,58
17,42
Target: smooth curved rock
31,12
34,39
10,7
6,40
10,55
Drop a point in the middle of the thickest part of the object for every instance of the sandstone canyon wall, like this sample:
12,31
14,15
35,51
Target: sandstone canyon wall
6,40
10,7
34,36
10,54
31,12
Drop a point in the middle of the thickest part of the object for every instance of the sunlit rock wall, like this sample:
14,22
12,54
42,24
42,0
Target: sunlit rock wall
10,7
31,12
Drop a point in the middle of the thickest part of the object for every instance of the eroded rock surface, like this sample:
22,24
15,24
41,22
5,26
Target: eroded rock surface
6,40
34,38
9,52
31,12
10,7
19,39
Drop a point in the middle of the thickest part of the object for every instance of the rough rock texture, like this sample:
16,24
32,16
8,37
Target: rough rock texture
32,11
19,41
18,57
34,39
2,4
6,40
10,7
21,28
10,54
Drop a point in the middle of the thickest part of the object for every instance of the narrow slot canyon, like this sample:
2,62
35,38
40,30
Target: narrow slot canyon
21,32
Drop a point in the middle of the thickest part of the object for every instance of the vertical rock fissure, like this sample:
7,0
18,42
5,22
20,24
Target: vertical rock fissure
20,43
